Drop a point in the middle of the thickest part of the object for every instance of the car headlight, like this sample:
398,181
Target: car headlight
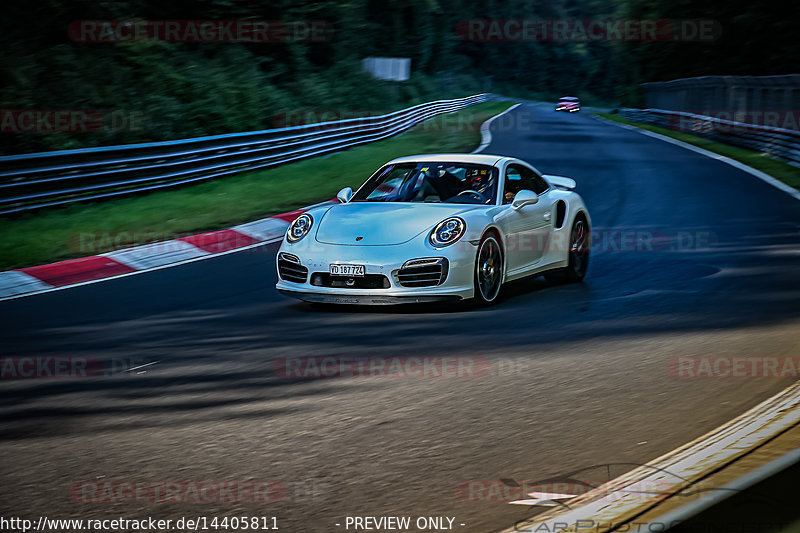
448,231
299,228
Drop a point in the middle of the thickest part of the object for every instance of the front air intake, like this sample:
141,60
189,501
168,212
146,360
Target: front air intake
423,272
290,269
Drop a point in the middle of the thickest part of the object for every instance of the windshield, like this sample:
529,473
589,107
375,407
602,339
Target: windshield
456,183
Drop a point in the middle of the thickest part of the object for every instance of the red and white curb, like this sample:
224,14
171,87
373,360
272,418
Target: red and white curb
73,272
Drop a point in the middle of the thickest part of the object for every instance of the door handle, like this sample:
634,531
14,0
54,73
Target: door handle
547,216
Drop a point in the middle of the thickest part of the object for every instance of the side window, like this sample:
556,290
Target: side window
519,178
513,183
538,184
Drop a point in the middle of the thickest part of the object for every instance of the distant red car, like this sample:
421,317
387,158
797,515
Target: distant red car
571,104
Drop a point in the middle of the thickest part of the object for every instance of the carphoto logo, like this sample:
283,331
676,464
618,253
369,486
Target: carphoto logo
408,367
587,30
42,367
186,492
69,121
199,31
588,525
703,366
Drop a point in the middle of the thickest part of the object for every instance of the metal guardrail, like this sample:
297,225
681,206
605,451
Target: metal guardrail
779,143
34,181
726,93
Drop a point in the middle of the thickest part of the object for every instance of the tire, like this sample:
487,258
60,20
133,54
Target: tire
489,269
579,249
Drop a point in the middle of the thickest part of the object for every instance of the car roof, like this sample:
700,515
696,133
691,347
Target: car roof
568,98
481,159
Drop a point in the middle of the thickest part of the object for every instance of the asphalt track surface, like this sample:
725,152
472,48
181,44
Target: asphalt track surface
579,373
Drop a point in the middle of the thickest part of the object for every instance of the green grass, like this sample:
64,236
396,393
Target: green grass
57,234
777,169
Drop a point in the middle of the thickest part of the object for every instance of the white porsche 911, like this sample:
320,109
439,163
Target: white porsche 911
437,227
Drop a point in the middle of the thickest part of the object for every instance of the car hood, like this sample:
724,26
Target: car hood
382,223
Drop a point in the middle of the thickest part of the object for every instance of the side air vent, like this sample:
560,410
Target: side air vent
561,212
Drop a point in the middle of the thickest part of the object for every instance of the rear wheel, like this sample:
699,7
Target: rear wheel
579,247
489,264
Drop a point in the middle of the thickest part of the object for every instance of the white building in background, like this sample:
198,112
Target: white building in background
388,68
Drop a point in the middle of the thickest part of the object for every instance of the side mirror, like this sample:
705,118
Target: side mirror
523,198
345,195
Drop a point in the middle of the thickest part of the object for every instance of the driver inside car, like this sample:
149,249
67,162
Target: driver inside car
478,180
513,185
437,184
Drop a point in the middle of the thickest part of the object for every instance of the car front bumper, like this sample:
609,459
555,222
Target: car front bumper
379,260
366,299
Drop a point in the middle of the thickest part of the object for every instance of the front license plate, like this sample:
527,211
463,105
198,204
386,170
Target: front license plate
350,271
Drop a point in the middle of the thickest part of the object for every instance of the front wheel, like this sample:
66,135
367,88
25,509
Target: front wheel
489,265
579,247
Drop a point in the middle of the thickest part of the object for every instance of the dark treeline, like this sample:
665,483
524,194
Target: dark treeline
168,90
